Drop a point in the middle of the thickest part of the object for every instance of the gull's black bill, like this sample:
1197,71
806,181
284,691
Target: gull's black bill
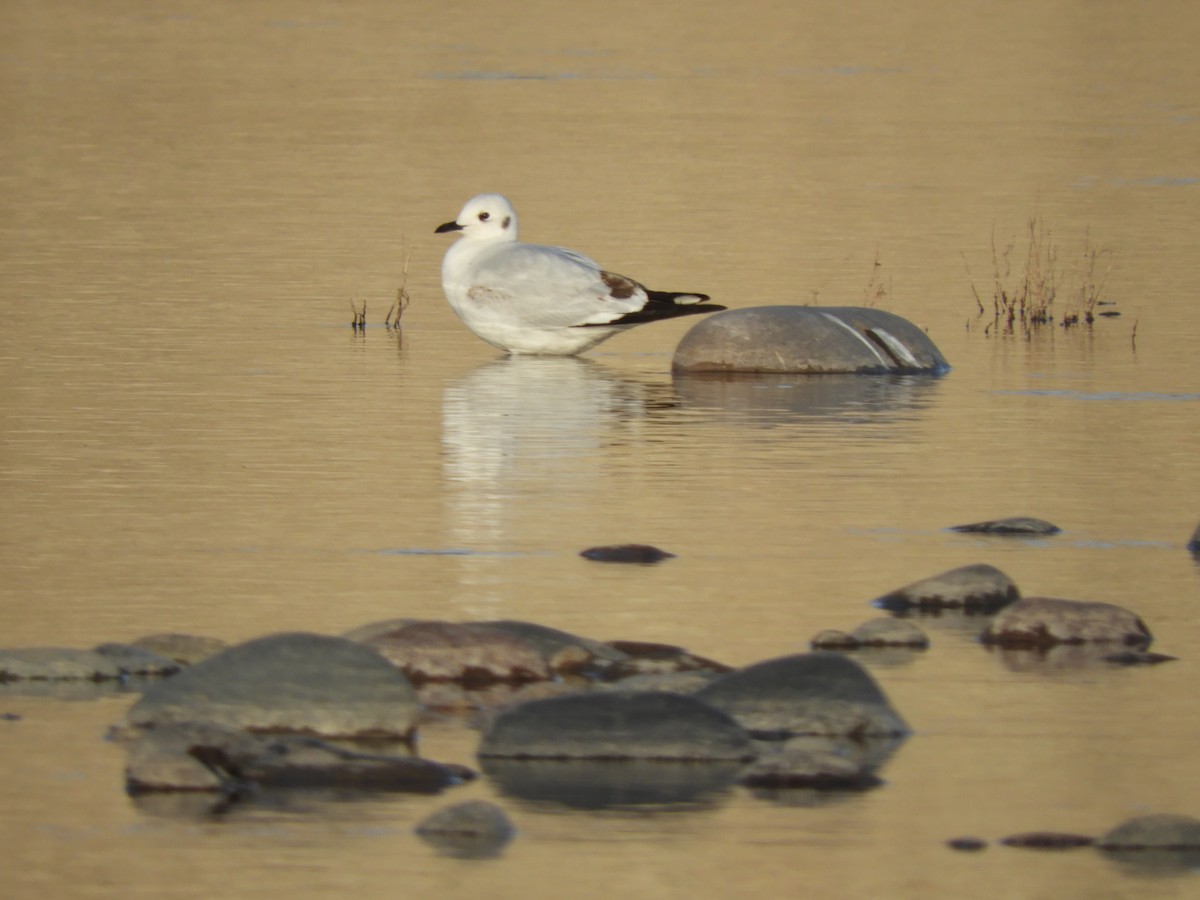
449,226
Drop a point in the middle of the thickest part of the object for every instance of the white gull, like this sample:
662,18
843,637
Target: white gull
534,299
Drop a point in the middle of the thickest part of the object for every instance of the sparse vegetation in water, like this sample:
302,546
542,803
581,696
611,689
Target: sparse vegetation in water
359,320
395,311
877,291
1023,299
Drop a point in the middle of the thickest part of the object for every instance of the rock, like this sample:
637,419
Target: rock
204,757
646,658
187,649
473,829
627,553
137,661
1048,840
967,843
1155,832
831,639
889,632
811,693
1042,622
1194,543
56,664
673,682
1017,525
1137,658
472,654
616,725
292,682
808,340
816,763
977,588
565,653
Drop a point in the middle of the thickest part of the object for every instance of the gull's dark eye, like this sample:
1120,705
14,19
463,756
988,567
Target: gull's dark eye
483,217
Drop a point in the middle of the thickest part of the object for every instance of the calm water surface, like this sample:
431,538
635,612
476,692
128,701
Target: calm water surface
193,439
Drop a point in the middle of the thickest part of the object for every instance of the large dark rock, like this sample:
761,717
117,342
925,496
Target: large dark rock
204,757
616,725
292,682
56,664
1044,622
809,340
1194,543
977,588
810,693
470,653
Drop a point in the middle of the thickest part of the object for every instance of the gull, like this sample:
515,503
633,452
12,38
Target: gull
533,299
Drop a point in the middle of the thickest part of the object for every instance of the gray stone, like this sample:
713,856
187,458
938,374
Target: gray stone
56,664
809,340
808,762
616,725
197,756
627,553
889,632
293,682
977,588
565,653
469,653
1043,622
811,693
187,649
136,661
1194,543
647,658
832,639
472,829
1048,840
1162,831
1020,526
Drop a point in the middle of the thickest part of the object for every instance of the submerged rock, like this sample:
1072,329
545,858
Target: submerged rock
977,588
811,693
816,763
204,757
616,725
889,632
1043,622
832,639
648,658
565,653
1162,831
294,682
137,661
473,829
1048,840
187,649
1017,525
56,664
1194,543
809,340
627,553
470,653
968,843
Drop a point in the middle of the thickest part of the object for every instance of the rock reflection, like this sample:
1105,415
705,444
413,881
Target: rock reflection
767,400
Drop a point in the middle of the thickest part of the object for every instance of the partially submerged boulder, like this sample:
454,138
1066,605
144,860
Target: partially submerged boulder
645,554
1162,831
196,756
1194,543
1044,622
56,664
649,658
1019,526
187,649
809,693
470,653
616,725
473,829
138,661
292,682
977,588
807,340
815,763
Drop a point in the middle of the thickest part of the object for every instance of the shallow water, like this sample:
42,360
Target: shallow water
193,439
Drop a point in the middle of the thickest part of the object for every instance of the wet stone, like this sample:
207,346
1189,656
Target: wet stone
889,632
1016,525
646,658
293,682
1194,543
1043,622
471,829
56,664
187,649
807,340
616,725
471,654
1137,658
967,843
137,661
831,639
1048,840
814,763
564,653
977,588
813,693
627,553
1162,831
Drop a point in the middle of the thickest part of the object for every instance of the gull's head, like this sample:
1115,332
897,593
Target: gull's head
488,217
